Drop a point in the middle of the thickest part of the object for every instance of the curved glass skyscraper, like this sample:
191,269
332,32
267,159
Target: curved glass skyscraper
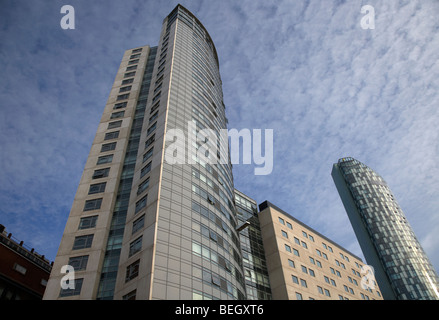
154,215
402,269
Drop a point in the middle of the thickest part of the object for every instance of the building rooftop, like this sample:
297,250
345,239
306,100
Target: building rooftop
267,204
27,252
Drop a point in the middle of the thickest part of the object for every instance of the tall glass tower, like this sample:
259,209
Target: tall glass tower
402,269
154,215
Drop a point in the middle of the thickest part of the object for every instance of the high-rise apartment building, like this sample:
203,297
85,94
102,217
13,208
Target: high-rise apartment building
156,215
303,264
149,220
402,269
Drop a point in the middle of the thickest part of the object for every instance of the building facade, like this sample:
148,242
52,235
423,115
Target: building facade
389,244
253,255
23,271
305,265
149,220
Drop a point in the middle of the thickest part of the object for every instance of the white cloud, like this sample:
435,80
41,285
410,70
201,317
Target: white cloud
306,69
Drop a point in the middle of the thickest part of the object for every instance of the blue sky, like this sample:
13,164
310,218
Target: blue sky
306,69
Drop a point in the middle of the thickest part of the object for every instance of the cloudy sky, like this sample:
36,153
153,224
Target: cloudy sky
306,69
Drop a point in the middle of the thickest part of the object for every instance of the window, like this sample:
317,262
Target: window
311,238
101,173
82,242
145,170
304,234
114,124
296,252
320,289
135,56
281,221
19,268
151,128
129,74
289,225
157,96
143,186
148,154
296,240
138,224
78,263
154,107
150,141
97,188
130,68
288,248
133,61
311,273
158,87
333,282
153,117
120,105
295,279
311,259
284,234
291,263
93,204
108,147
303,283
116,115
130,296
135,246
72,292
304,270
327,293
87,222
299,296
141,204
132,271
213,236
111,135
105,159
125,89
216,279
304,245
123,96
127,81
137,50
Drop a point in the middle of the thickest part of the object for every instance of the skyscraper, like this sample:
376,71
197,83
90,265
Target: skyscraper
402,269
149,220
